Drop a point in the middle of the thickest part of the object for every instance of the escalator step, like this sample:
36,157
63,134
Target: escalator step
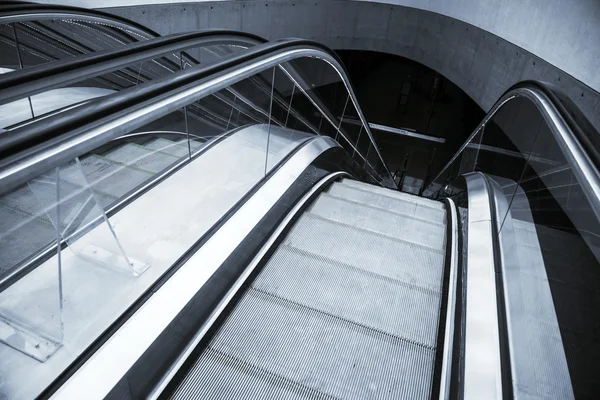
396,259
398,205
377,220
347,307
327,353
392,193
220,376
371,300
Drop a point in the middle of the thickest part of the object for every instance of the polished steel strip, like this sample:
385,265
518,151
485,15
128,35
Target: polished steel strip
103,370
483,370
451,305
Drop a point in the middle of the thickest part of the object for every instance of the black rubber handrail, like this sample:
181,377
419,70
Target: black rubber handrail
35,12
28,82
66,124
579,126
585,133
44,137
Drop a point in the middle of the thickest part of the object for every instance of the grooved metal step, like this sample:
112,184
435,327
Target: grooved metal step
375,301
398,205
325,353
392,193
347,307
220,376
373,219
401,260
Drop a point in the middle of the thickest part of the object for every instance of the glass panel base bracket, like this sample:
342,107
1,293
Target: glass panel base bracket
26,341
112,260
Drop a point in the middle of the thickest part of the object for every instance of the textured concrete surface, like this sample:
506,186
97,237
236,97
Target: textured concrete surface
482,64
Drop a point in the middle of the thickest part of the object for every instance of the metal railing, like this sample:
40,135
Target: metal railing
576,137
77,131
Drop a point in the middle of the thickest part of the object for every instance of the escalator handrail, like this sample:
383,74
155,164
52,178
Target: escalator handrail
584,131
21,12
30,81
33,80
576,136
60,138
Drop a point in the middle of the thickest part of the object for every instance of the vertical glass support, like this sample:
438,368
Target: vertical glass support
59,256
367,157
269,121
79,209
337,133
20,57
231,113
320,123
187,133
290,106
185,116
31,311
137,81
357,141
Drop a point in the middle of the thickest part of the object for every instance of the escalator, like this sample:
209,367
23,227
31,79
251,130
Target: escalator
347,306
218,229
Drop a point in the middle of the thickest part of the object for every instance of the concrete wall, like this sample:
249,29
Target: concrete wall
482,64
565,33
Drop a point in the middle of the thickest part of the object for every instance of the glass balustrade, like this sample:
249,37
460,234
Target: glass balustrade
80,243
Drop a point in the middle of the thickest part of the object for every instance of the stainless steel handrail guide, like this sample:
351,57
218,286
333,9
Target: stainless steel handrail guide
582,165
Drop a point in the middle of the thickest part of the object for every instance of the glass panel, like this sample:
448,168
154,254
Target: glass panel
467,160
351,126
507,142
501,149
31,318
557,245
293,117
171,180
328,107
325,93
